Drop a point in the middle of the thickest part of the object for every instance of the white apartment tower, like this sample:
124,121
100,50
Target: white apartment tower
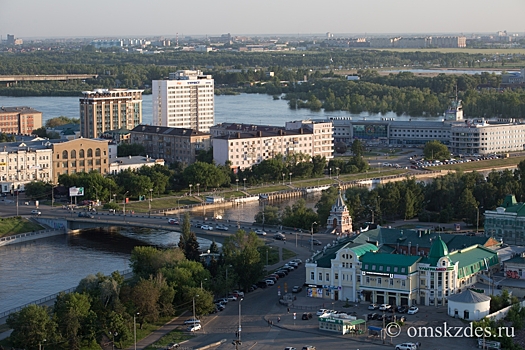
185,100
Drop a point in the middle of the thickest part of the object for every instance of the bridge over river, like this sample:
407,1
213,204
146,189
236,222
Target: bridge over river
9,80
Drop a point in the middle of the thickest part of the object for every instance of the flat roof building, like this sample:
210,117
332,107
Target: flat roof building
185,100
102,110
19,120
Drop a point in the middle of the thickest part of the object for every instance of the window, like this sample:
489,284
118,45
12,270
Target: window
90,152
64,154
312,276
367,280
81,153
336,276
73,154
379,280
391,282
97,152
327,277
320,276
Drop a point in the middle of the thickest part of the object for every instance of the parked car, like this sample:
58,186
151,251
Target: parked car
298,261
260,232
373,316
36,212
290,348
406,346
206,227
232,298
373,306
308,347
321,312
306,316
221,227
293,263
83,214
402,309
241,293
285,271
262,284
281,274
172,346
384,307
220,307
195,327
270,282
173,221
413,310
192,321
297,289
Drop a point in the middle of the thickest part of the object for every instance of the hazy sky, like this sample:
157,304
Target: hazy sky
116,18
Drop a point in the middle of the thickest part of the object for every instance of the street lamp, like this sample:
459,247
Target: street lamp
150,197
124,200
337,172
290,178
198,186
330,172
197,295
237,181
239,332
114,198
135,328
40,344
244,180
204,279
114,334
312,236
283,178
190,188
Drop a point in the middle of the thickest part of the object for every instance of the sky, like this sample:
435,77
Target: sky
148,18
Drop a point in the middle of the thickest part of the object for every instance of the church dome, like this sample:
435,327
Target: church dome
438,249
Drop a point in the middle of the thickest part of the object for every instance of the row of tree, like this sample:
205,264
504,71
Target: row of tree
164,280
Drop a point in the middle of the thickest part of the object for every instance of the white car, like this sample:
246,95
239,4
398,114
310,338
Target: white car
384,307
406,346
260,232
270,282
238,292
35,212
290,348
192,321
206,227
232,298
373,307
195,327
413,310
321,312
221,227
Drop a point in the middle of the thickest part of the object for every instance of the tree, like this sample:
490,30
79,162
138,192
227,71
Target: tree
73,315
38,190
145,296
31,326
214,248
241,251
324,205
133,149
357,148
188,241
147,261
436,150
207,175
62,120
299,216
270,216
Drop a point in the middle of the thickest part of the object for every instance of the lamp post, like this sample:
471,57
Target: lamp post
198,189
190,188
204,279
40,344
312,236
135,329
330,173
52,195
337,172
244,180
150,198
290,178
114,334
124,200
114,198
239,332
197,295
283,178
237,181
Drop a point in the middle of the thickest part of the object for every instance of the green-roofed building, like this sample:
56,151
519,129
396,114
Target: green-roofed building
334,273
507,222
389,278
442,274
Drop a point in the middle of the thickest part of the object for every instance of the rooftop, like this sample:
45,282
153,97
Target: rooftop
378,261
21,110
152,129
468,296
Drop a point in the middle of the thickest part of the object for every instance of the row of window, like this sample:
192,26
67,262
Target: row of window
81,153
388,268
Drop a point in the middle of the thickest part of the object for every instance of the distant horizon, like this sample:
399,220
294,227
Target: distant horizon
27,19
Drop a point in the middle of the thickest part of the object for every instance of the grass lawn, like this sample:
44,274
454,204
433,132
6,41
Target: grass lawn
288,254
160,203
482,164
175,336
311,183
235,194
14,226
273,254
267,189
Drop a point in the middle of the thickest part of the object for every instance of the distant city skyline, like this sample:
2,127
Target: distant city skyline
134,18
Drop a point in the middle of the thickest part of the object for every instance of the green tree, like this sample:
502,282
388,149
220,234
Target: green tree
241,251
324,205
130,149
299,216
436,150
188,241
32,326
145,296
207,175
38,190
214,248
270,216
73,315
147,261
467,206
62,120
357,148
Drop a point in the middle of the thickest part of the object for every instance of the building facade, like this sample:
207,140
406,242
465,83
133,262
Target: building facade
245,145
335,273
103,110
507,222
19,120
185,100
80,155
171,144
132,163
24,162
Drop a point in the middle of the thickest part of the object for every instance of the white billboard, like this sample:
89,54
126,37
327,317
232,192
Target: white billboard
76,191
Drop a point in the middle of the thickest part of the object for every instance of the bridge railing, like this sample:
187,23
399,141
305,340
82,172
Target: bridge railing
49,297
27,234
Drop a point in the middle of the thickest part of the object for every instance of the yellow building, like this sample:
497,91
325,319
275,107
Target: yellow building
80,155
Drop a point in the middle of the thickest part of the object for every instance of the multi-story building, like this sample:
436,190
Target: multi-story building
507,222
103,110
245,144
23,162
185,100
171,144
132,163
19,120
336,273
80,155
